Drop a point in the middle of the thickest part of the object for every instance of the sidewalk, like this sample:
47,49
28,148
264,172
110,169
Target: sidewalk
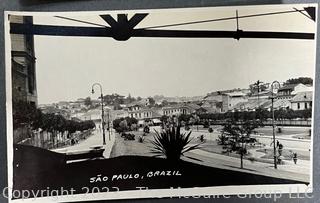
94,140
283,137
299,172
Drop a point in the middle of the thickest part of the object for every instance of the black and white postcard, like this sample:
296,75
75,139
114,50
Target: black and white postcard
160,103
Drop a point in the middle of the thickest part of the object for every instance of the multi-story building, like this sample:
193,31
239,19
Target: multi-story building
289,91
180,108
302,101
24,87
144,113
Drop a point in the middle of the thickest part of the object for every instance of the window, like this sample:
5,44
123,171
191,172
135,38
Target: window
298,105
305,105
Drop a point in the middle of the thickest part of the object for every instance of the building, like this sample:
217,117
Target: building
180,108
213,106
229,100
302,101
119,113
289,91
213,97
251,104
24,87
144,113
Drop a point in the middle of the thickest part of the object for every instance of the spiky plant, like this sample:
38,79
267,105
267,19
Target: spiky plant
172,144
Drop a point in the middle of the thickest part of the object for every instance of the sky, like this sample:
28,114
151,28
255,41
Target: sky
68,66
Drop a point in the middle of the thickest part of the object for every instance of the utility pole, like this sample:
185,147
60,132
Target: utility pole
273,124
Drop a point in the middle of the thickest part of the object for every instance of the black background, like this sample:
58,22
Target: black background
92,5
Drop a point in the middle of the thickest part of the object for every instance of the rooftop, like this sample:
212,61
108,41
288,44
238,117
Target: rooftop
303,97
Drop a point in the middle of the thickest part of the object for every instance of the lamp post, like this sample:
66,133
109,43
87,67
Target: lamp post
102,110
273,124
109,129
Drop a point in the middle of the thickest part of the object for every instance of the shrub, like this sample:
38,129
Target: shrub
222,139
125,124
187,127
206,124
134,127
172,144
252,159
128,136
146,129
210,130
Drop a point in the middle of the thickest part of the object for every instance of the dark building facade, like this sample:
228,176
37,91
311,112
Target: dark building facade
24,87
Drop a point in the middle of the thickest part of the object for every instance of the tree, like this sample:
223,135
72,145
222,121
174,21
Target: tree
129,99
164,119
257,87
261,114
125,124
151,101
303,80
88,101
235,137
184,117
113,99
164,103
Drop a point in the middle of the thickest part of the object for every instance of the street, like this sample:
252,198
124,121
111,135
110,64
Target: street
93,141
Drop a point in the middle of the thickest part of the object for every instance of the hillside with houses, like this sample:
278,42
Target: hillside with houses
291,95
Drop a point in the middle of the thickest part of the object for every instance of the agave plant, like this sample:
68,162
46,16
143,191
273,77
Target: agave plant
172,144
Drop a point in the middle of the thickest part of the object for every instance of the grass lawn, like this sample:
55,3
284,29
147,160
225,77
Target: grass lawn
40,169
133,147
267,130
287,154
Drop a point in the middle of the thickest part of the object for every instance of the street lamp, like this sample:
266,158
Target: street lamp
272,97
102,110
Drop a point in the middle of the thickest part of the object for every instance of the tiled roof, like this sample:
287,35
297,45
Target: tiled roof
302,97
278,103
194,106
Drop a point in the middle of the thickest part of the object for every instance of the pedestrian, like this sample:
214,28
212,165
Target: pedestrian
295,157
280,147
